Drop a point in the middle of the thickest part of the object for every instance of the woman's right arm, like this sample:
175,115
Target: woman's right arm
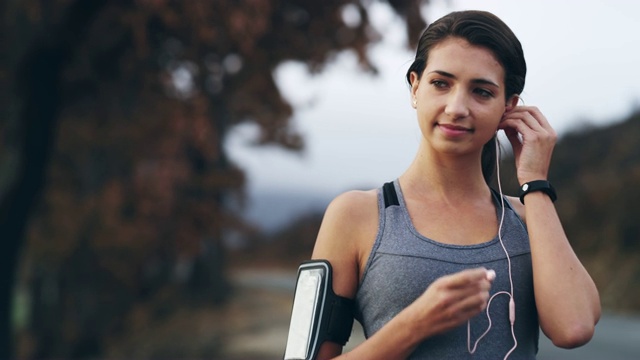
347,234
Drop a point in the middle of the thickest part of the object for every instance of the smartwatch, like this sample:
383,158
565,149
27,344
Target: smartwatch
537,185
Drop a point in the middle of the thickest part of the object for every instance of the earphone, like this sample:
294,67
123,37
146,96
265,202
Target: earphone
512,304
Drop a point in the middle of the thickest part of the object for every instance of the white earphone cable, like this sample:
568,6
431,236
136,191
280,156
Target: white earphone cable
512,305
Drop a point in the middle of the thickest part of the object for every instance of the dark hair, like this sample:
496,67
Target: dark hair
484,29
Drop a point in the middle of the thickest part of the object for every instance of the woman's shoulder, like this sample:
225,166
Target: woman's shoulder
350,211
355,203
348,229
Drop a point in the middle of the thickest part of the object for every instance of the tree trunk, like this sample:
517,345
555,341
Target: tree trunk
37,81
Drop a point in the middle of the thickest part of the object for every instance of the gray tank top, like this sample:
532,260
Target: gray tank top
403,263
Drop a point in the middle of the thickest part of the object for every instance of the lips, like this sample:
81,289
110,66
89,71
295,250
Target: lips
454,130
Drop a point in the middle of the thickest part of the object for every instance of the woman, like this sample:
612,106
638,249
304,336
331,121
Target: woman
419,256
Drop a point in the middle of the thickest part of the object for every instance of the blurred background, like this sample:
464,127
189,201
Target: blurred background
164,165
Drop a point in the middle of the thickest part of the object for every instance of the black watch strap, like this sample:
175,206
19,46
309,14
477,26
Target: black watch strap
537,185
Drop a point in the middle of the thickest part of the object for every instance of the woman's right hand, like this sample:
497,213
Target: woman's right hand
452,300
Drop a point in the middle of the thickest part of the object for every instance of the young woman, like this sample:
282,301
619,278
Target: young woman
428,254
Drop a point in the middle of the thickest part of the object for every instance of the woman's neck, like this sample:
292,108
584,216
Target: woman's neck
443,175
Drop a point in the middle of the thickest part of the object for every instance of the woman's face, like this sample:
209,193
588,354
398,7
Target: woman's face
460,98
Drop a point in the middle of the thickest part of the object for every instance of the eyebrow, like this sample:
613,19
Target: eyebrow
475,81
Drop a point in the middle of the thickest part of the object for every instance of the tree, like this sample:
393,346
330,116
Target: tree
115,177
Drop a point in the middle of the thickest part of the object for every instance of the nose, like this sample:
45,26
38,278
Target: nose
457,106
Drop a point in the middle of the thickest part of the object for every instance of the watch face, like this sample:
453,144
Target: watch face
525,187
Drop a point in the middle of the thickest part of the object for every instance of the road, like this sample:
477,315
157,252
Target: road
617,336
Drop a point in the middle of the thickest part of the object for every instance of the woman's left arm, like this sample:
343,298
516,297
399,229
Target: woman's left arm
566,297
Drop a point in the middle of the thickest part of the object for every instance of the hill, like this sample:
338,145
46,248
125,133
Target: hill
597,175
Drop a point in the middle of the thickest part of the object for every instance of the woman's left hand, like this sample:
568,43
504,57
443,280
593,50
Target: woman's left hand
532,139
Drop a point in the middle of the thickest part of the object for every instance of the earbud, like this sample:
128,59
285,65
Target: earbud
491,274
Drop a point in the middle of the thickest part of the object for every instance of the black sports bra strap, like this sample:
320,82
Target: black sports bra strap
390,195
496,196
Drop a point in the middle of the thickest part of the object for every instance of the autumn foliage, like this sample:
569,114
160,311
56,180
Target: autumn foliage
116,186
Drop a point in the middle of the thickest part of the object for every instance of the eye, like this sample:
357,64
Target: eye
440,84
483,93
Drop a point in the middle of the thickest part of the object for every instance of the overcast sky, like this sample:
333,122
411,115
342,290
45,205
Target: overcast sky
360,130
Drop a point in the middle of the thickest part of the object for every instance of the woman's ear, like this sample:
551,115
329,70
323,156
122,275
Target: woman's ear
512,102
413,78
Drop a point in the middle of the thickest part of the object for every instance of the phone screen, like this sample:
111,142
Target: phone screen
303,314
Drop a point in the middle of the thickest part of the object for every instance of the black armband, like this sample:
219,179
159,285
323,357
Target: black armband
318,314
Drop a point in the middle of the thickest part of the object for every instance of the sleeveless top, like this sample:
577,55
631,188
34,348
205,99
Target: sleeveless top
403,263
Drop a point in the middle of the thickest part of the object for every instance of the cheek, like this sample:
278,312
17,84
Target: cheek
427,116
493,117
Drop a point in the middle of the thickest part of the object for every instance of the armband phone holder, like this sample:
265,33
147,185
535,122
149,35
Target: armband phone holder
318,314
